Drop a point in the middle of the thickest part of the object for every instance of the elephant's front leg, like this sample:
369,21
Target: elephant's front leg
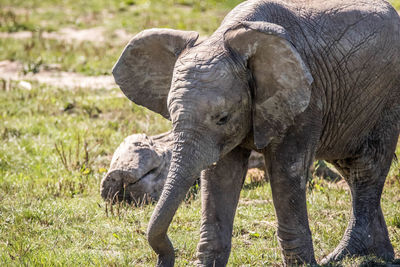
220,190
288,166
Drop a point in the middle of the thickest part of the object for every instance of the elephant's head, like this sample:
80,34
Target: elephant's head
245,81
138,169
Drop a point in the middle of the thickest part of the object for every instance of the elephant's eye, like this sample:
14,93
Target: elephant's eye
224,119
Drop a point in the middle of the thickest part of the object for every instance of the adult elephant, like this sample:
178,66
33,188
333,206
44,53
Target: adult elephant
295,80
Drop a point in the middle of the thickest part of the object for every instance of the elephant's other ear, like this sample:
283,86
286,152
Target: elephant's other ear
281,79
144,69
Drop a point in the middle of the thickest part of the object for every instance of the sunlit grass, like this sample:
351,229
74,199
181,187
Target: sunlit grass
56,145
132,15
38,53
97,58
51,212
395,3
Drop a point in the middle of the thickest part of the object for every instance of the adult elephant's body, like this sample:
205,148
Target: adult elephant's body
350,51
295,80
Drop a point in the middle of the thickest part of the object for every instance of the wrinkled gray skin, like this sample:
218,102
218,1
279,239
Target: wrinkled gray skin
295,80
140,165
138,169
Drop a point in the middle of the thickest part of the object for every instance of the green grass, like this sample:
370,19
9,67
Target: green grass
88,58
56,144
132,15
395,3
50,207
51,212
96,58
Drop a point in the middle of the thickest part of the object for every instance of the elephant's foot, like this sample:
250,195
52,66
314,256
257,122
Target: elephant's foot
212,259
372,239
297,247
211,250
298,253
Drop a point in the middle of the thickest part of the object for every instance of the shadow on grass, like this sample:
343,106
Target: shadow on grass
379,263
253,185
368,261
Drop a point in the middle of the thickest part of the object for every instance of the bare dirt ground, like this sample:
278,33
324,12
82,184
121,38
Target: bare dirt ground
97,34
12,71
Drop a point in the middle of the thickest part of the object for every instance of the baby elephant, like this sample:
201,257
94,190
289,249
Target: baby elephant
294,80
139,168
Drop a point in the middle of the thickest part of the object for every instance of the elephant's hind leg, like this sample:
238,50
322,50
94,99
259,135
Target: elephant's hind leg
220,190
365,174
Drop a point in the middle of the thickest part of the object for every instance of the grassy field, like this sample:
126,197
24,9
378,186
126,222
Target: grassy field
56,145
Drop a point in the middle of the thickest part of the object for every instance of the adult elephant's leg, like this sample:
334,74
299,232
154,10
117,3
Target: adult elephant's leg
220,190
288,166
366,232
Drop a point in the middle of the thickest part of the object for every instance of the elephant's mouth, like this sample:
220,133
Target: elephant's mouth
138,192
143,177
124,186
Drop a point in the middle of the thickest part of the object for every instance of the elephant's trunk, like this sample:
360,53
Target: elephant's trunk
191,154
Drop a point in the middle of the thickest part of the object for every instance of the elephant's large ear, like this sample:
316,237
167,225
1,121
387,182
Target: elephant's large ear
281,79
144,69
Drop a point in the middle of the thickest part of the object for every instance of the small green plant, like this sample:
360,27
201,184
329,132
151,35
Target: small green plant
11,22
193,192
77,157
33,66
396,221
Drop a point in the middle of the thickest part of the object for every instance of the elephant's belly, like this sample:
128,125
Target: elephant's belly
352,102
345,128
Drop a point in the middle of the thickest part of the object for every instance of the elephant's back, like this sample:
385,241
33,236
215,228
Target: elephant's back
354,56
352,49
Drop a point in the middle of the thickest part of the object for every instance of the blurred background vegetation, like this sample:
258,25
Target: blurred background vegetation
57,142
